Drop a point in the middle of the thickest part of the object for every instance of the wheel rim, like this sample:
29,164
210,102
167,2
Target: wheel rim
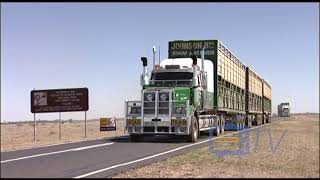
195,134
222,125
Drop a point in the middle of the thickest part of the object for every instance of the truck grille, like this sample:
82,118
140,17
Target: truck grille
149,103
150,100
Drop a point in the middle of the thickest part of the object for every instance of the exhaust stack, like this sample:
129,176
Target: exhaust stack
154,55
194,68
202,58
144,77
203,77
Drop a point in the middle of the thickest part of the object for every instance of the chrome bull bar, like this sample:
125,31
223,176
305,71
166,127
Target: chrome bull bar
136,121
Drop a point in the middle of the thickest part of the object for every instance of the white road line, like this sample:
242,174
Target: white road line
66,142
166,152
45,154
88,147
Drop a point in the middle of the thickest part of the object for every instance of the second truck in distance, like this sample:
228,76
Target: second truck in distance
284,110
201,86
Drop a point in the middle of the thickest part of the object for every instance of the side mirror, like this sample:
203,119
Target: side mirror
144,61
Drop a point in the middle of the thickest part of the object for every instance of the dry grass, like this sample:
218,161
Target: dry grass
20,135
297,156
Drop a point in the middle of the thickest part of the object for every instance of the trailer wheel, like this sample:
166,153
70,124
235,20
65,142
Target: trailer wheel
222,120
194,130
268,119
240,121
217,131
243,123
249,121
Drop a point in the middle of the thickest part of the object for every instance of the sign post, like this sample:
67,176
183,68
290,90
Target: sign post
115,124
59,125
34,127
59,100
85,124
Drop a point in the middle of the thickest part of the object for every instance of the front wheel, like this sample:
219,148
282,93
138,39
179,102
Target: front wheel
194,130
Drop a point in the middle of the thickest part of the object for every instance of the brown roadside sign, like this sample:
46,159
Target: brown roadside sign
59,100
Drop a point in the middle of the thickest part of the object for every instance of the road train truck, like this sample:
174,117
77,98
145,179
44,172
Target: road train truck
284,110
201,86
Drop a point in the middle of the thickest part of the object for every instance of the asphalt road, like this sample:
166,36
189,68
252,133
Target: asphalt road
96,158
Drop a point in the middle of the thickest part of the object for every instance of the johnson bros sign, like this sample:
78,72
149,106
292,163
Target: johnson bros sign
184,49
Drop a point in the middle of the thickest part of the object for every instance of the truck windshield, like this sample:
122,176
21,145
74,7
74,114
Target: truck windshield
171,79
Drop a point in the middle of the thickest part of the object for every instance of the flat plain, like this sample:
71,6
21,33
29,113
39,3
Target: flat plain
15,136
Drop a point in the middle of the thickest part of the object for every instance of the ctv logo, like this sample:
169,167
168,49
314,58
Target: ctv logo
244,143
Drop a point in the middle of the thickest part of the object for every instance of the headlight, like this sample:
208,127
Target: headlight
135,110
181,110
149,96
164,96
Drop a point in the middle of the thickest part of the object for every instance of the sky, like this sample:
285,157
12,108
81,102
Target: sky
99,45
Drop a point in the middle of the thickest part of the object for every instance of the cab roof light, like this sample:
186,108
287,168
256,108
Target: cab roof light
175,66
157,66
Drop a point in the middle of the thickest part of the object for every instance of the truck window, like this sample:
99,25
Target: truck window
172,79
172,76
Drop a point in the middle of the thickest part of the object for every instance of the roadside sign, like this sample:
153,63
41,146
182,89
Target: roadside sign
108,124
59,100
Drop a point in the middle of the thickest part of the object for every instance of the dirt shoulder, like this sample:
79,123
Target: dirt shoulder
296,155
21,135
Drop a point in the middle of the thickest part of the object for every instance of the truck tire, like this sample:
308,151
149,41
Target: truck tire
217,131
135,138
248,121
268,119
222,121
243,123
238,124
194,133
